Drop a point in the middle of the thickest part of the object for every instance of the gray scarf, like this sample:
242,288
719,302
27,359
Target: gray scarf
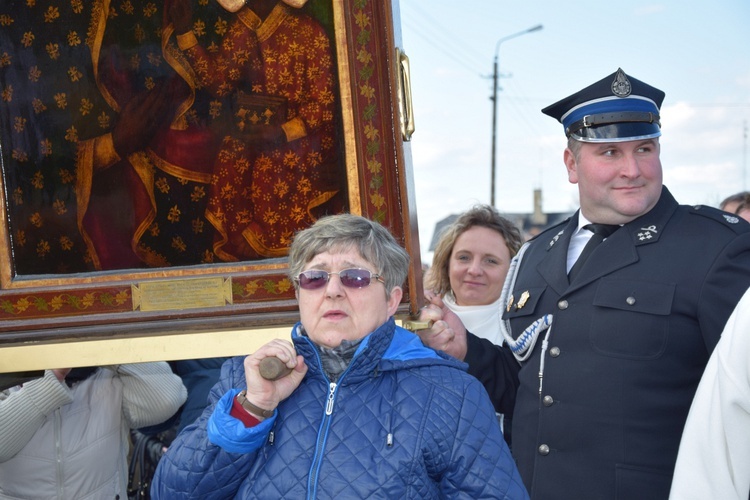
337,359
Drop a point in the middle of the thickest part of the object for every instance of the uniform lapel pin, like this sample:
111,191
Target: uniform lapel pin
522,300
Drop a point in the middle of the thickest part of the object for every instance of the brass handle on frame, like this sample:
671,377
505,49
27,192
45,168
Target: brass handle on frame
414,325
406,110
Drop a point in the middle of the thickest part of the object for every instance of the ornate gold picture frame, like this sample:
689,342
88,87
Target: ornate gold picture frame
99,241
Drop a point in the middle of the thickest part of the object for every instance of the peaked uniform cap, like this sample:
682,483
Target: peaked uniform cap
617,108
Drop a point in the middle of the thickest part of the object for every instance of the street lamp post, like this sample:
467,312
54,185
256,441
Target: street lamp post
494,103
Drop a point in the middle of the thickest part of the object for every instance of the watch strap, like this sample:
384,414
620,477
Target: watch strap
248,406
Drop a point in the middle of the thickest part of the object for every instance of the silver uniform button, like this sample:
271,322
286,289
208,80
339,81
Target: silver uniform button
548,401
630,301
554,352
562,305
543,449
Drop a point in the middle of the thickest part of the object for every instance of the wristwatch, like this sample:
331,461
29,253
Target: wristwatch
247,405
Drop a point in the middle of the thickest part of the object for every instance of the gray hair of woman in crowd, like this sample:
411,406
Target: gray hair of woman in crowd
438,279
334,233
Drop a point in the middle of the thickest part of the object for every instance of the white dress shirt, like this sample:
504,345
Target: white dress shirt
578,241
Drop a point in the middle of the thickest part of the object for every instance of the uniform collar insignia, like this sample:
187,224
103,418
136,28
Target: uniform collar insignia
554,240
522,300
647,233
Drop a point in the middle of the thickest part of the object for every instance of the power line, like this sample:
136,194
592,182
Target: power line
440,40
455,58
455,41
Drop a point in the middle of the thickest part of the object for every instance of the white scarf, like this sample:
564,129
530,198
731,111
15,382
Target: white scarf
482,321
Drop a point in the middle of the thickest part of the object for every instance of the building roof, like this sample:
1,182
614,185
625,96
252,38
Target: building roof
524,222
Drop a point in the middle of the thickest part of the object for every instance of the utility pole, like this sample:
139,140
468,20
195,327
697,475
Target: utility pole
494,104
744,156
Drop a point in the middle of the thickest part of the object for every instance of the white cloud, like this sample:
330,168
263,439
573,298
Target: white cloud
649,10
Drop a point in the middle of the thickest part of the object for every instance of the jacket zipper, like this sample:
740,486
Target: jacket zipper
58,454
322,438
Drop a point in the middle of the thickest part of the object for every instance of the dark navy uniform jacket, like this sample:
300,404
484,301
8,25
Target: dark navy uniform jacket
629,340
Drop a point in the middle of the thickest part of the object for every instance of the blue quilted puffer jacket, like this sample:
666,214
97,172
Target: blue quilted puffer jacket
402,422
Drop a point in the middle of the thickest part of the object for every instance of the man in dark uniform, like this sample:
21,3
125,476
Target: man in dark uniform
608,357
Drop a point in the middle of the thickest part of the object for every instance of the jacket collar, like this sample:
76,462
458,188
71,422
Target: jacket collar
622,247
389,347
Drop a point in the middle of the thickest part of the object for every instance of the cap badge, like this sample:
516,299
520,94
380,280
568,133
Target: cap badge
621,85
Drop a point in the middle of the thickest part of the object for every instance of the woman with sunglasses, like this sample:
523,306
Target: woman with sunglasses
366,410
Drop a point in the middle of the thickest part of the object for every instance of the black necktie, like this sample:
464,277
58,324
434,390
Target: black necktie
601,231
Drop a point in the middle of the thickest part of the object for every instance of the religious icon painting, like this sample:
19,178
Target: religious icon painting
158,157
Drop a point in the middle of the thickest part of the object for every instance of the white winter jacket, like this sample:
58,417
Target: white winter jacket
61,443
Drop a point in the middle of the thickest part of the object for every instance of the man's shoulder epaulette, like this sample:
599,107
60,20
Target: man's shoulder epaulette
732,221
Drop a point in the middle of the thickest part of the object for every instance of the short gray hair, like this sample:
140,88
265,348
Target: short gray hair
344,231
575,147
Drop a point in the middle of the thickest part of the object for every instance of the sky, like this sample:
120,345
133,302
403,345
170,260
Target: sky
698,53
